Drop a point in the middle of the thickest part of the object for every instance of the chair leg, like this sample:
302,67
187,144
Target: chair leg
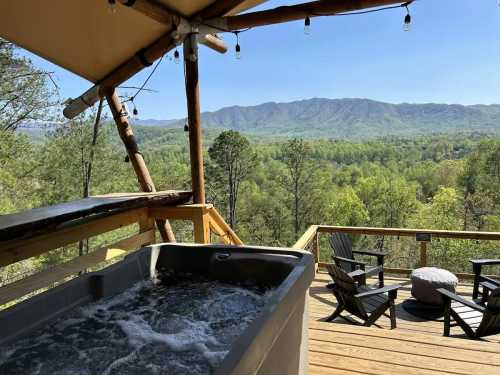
447,318
381,279
392,313
477,276
336,313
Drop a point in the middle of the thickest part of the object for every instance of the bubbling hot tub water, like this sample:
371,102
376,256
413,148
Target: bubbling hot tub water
184,328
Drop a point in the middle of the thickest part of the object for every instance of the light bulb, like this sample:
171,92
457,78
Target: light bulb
176,57
237,51
112,6
307,25
407,24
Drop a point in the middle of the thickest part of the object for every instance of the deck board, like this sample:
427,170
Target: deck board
415,347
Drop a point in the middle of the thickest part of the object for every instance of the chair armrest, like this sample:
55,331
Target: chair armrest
355,262
490,286
490,280
370,253
357,273
485,262
452,296
374,292
359,276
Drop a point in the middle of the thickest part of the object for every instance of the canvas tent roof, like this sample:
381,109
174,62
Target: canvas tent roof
83,36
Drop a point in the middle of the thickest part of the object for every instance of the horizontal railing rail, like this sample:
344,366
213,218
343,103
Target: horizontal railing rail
310,240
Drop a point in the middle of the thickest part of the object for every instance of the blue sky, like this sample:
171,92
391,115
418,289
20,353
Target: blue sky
451,55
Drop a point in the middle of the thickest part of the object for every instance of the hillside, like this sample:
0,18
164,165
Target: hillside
349,118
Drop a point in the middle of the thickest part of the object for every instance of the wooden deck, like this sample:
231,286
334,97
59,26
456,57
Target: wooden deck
415,347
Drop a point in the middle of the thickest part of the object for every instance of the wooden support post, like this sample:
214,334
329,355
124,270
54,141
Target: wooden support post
194,118
423,254
201,223
136,159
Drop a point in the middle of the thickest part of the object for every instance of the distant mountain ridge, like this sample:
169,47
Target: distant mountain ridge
348,118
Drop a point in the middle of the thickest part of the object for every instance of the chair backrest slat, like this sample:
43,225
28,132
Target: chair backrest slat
341,245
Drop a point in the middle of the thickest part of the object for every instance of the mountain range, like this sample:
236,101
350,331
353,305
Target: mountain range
348,118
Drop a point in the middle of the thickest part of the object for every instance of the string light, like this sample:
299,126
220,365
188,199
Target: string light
237,48
176,57
135,112
307,25
112,6
407,23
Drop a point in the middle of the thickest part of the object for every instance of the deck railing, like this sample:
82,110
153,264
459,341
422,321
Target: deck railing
141,220
310,240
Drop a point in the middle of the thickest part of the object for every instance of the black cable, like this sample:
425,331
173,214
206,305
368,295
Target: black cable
404,5
148,78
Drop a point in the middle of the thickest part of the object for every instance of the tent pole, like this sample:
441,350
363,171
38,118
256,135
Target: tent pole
141,170
194,118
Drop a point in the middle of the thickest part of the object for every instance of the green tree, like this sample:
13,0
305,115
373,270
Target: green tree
296,155
347,209
19,162
24,92
233,159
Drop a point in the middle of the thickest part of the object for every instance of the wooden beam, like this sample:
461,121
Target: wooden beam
296,12
127,136
194,118
186,212
218,8
159,13
57,273
222,227
136,159
211,41
154,10
136,63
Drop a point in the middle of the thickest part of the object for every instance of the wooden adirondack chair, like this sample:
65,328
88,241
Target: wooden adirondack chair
343,256
477,320
366,303
477,266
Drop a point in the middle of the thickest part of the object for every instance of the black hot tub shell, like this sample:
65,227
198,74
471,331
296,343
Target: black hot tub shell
274,343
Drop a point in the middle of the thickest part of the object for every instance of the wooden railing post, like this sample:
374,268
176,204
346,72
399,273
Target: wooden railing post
423,254
315,248
201,223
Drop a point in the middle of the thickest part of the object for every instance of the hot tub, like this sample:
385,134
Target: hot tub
275,342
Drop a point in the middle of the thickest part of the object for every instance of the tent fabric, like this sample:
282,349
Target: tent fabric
83,36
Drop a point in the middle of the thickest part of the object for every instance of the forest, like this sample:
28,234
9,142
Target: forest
268,189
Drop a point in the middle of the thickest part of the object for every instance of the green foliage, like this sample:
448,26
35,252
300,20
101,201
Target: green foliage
24,92
439,182
348,209
232,160
19,161
65,155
